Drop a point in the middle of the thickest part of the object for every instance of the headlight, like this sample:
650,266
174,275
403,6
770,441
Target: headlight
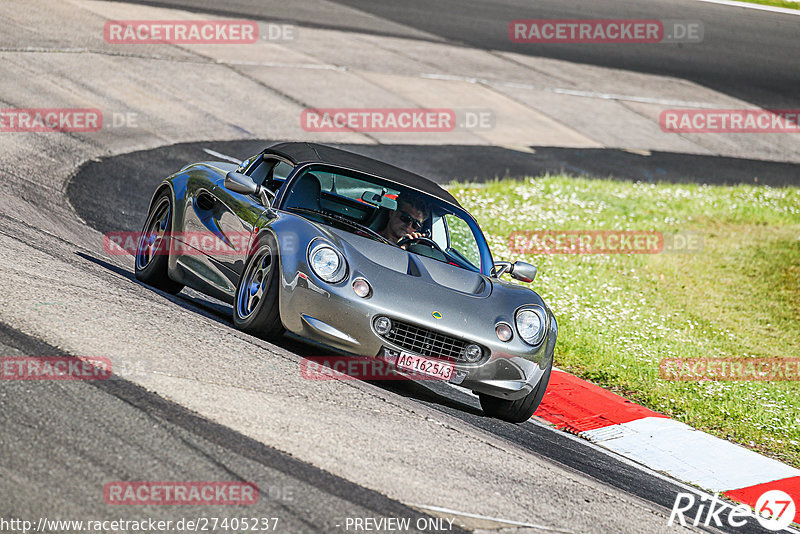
327,263
530,325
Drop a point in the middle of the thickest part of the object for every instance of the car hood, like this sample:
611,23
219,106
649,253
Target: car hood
357,249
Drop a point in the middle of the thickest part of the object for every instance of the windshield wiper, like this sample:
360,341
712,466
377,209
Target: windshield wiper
369,231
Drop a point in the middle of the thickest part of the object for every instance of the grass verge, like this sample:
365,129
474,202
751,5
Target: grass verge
776,3
620,314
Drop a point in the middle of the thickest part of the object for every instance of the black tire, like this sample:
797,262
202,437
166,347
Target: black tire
153,247
255,305
517,411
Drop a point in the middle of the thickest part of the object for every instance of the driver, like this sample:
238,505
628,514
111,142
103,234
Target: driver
407,219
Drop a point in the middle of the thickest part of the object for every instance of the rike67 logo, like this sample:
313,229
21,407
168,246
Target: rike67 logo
775,510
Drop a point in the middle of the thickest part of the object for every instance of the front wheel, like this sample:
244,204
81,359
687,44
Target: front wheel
255,306
517,411
153,248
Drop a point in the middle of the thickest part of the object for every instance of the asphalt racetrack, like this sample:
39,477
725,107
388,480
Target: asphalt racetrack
191,398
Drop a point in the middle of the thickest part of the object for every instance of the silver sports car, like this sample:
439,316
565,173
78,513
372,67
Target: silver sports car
360,256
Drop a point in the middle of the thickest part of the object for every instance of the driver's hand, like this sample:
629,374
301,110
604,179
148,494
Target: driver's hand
412,235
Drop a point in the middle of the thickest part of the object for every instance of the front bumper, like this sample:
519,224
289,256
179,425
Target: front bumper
336,317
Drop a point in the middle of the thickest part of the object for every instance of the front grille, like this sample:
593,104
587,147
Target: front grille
426,342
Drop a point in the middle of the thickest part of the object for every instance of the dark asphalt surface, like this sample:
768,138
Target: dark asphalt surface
125,183
752,55
58,460
112,194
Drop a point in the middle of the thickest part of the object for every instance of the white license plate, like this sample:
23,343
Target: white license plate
421,365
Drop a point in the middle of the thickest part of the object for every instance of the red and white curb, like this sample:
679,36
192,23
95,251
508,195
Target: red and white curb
663,444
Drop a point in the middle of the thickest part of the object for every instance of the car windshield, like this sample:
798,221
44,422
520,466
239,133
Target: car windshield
385,211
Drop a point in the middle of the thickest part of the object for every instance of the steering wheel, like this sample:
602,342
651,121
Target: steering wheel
421,240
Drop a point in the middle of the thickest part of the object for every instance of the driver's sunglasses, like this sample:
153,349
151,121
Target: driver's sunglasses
408,219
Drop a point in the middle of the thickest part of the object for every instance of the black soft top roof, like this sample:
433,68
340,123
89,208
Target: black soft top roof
300,153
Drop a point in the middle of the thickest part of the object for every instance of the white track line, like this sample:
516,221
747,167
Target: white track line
274,64
222,156
759,7
492,83
570,92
